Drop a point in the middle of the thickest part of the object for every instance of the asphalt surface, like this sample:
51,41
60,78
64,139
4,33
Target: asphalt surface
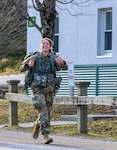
5,78
20,140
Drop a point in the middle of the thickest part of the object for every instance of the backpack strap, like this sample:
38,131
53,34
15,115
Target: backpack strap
52,57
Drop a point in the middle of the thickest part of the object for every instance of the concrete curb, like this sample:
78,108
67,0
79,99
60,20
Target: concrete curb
73,118
52,123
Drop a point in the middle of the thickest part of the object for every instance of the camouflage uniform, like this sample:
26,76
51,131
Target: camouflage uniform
43,101
41,77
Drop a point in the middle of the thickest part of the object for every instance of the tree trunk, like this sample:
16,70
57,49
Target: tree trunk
48,16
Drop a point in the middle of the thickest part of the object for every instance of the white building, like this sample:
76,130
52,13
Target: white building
88,38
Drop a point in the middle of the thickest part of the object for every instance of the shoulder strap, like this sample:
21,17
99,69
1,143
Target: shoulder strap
38,54
37,60
52,57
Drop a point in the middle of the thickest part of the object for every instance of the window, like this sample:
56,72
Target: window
56,35
108,31
104,31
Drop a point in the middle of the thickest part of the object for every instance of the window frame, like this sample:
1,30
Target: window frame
106,31
101,32
56,35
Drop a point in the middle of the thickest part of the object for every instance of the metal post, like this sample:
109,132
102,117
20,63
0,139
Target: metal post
71,90
82,109
13,114
116,106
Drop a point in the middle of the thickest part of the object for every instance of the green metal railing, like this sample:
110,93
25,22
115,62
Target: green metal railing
102,79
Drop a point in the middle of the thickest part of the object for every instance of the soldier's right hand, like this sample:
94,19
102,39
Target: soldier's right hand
31,63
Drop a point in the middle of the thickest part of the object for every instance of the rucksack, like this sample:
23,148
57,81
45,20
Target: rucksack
29,72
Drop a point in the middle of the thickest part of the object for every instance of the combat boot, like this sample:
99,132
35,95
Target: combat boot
47,140
36,131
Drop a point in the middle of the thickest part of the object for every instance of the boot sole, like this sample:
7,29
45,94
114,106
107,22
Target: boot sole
49,141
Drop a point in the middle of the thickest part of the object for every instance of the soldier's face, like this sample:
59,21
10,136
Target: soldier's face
45,46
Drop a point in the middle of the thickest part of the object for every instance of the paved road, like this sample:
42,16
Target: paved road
19,140
4,78
12,146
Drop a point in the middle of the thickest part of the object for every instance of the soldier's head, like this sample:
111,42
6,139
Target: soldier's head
46,45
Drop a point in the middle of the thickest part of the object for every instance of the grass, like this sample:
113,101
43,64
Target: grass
11,64
106,129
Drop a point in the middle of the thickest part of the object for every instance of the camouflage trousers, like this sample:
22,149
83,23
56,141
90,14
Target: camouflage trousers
43,101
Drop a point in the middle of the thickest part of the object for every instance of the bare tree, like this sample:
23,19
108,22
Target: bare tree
12,29
13,16
47,12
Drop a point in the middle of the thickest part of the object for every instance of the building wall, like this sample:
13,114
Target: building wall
88,42
33,35
78,34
